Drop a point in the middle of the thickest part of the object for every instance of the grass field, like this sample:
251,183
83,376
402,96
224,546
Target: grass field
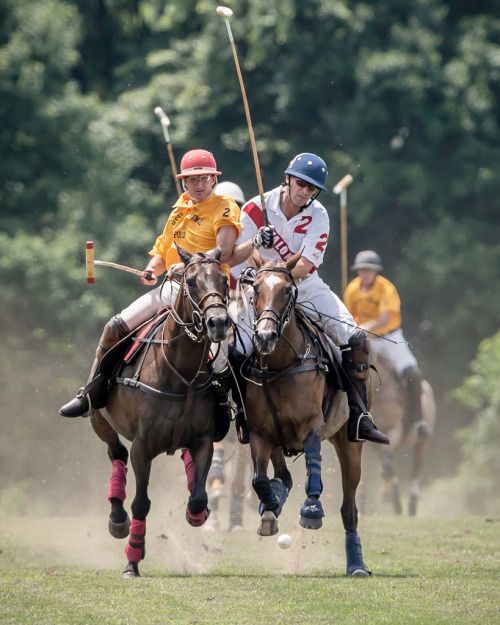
425,571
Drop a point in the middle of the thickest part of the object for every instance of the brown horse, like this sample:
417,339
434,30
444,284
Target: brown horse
285,409
167,401
389,405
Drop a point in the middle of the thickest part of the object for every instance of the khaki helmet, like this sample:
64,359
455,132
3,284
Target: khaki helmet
231,189
367,259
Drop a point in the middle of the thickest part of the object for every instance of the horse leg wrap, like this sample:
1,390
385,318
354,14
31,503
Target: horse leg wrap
280,492
217,467
268,500
189,468
117,481
354,554
135,549
312,451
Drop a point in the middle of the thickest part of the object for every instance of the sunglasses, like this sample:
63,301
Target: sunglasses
197,179
303,184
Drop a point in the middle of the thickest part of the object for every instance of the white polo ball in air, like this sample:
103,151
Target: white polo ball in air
285,541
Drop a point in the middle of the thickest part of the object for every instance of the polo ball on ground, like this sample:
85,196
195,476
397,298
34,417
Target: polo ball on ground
285,541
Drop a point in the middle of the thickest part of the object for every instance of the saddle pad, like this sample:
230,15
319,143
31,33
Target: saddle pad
316,332
146,331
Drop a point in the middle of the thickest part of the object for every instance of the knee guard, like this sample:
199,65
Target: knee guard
356,355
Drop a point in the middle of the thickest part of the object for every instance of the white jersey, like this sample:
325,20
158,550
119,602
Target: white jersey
307,232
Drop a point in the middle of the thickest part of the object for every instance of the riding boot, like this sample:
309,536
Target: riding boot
355,360
95,393
412,379
238,392
223,411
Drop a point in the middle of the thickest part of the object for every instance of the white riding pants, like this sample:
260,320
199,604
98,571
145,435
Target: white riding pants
398,353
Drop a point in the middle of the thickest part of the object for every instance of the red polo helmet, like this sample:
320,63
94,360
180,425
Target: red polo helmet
197,162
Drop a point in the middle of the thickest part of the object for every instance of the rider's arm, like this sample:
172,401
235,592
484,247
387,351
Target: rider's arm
226,237
379,322
154,268
303,268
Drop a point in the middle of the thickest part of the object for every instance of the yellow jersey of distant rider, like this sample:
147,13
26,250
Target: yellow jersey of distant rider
194,227
368,305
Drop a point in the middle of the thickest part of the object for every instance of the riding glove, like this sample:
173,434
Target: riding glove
264,238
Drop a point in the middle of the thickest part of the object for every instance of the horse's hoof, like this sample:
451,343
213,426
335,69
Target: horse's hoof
212,524
311,514
119,530
311,524
268,524
197,520
359,573
131,571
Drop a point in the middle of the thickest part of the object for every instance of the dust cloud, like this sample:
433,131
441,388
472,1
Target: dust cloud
54,478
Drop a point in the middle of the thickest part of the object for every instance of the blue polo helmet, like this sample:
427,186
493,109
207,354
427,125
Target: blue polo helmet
310,168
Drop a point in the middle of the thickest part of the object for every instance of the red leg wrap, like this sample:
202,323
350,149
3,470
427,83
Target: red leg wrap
135,546
118,481
189,468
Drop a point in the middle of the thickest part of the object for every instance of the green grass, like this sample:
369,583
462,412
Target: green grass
425,571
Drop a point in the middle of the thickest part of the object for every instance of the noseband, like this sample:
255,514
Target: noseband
198,311
279,319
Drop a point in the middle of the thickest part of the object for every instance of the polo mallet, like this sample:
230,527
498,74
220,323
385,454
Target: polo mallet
165,123
226,13
341,188
90,264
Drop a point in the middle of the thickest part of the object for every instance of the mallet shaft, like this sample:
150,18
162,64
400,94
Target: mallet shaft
106,263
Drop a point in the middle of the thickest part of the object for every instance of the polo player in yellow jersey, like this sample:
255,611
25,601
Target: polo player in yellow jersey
199,222
374,302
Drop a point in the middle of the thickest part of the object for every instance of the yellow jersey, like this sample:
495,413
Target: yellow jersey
194,227
368,305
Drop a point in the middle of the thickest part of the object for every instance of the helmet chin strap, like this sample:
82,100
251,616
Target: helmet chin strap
309,201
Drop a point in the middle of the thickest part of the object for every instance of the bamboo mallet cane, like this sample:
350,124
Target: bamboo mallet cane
341,188
90,263
165,123
226,13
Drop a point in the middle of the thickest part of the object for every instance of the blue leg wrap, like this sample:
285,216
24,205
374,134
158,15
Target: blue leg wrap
354,554
280,492
312,452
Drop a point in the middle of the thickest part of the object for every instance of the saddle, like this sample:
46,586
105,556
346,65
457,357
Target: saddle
128,348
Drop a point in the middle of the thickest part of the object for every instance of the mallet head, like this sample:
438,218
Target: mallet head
342,184
89,261
224,11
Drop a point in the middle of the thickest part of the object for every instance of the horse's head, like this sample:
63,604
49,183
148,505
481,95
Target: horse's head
205,289
275,294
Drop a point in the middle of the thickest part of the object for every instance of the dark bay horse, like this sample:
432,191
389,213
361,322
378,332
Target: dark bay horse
285,412
389,405
167,402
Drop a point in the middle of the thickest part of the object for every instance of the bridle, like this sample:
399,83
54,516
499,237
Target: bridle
269,313
194,329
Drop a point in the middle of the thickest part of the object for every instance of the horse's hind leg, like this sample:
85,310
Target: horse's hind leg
119,522
311,512
391,489
197,508
271,493
419,455
349,455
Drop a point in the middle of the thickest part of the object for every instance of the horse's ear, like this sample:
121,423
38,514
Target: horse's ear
184,256
217,253
293,260
257,258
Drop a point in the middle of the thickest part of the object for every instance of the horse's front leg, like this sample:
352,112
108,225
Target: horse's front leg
119,522
349,455
136,547
197,508
269,492
311,512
